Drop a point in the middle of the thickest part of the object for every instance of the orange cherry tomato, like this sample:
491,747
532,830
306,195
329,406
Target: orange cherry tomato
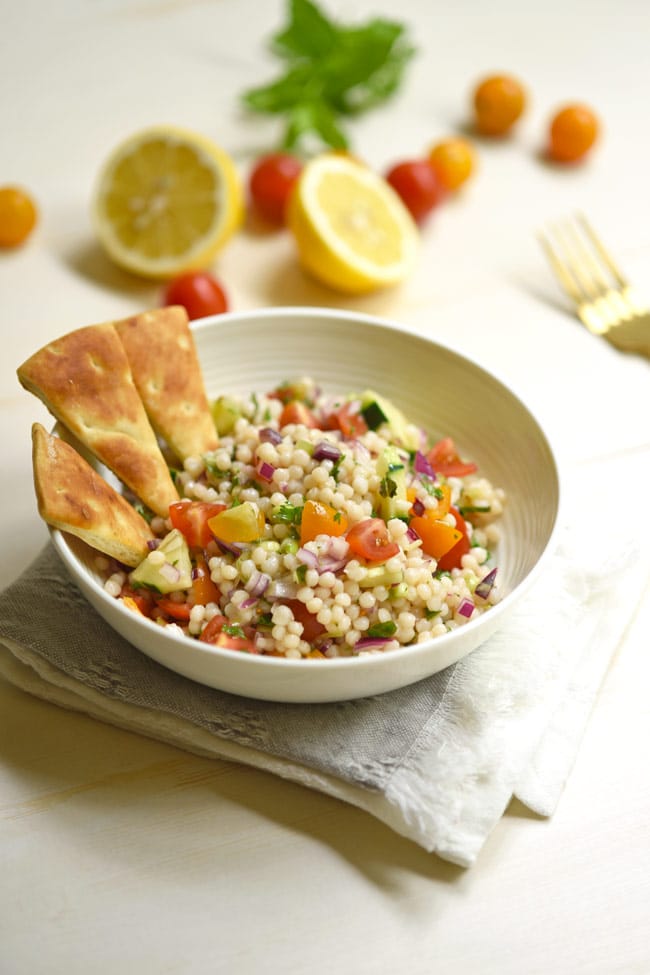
498,102
452,558
18,216
204,590
573,132
437,536
369,539
319,518
295,412
453,161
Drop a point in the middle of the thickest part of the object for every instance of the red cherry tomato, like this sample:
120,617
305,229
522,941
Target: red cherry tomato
191,518
271,182
416,182
444,459
311,628
199,293
295,412
369,539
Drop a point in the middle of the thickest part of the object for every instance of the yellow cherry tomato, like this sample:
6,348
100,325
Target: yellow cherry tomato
498,102
453,161
17,216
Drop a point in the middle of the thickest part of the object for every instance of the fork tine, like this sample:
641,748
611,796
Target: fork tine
602,251
564,276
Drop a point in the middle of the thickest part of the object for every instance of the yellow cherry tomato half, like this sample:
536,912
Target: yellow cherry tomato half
498,102
574,130
453,161
18,216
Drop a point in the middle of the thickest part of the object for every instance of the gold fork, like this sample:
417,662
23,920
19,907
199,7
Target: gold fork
605,301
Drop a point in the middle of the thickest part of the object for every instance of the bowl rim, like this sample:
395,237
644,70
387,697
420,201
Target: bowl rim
371,662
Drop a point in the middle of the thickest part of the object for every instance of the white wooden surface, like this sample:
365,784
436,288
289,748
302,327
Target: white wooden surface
122,854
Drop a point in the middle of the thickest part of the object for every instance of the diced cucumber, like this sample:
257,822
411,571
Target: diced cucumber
225,413
168,568
382,415
392,473
380,575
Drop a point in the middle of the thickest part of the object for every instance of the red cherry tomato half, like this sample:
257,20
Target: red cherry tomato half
416,182
369,539
270,184
199,293
444,459
191,518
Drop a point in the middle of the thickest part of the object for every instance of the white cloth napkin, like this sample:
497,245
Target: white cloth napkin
438,761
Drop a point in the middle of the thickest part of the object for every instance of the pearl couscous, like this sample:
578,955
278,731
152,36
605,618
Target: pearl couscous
321,527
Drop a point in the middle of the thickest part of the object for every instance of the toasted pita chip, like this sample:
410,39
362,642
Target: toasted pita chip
85,381
73,497
160,348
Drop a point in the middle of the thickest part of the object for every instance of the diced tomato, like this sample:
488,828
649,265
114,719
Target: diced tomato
177,611
141,599
204,590
445,460
230,642
191,518
319,518
452,558
212,629
311,627
215,634
349,421
369,539
295,412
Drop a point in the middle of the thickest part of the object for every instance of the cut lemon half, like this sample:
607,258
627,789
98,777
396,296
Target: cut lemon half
352,230
166,201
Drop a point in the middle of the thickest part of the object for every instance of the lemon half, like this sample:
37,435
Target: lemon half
352,230
166,201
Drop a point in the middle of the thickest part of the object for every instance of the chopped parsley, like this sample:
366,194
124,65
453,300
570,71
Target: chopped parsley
386,629
233,629
387,487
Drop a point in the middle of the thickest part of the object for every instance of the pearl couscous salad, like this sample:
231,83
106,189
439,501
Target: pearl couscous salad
320,527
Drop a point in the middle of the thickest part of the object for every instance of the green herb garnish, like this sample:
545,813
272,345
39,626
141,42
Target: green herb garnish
331,70
387,487
233,629
382,629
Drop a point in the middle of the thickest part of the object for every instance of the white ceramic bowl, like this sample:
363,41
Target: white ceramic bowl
438,389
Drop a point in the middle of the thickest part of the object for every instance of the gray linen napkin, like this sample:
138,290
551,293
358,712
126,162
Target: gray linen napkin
438,761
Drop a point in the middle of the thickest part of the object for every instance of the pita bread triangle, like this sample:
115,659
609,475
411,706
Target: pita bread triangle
74,498
161,352
85,381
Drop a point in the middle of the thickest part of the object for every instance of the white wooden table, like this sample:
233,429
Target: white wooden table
121,854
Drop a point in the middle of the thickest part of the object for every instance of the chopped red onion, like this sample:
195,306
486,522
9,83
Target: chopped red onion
281,590
308,558
269,435
257,584
418,507
412,535
266,471
371,643
485,586
328,563
326,451
230,548
465,608
361,452
169,572
422,465
247,603
153,543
